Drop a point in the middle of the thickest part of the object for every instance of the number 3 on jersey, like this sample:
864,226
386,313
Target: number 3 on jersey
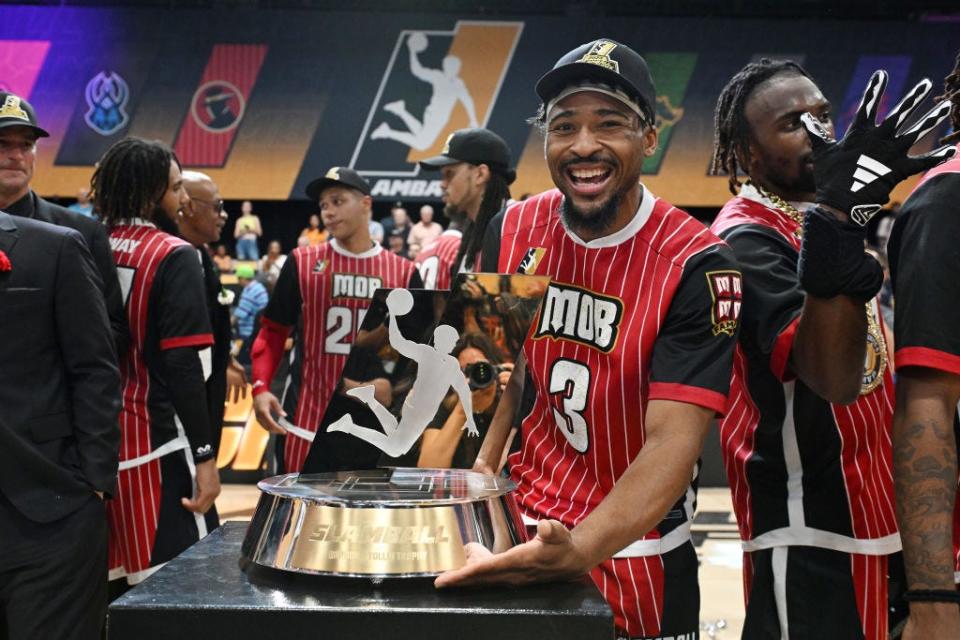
571,381
340,329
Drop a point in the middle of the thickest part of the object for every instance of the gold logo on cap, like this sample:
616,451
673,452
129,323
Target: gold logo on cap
11,109
333,174
446,145
599,55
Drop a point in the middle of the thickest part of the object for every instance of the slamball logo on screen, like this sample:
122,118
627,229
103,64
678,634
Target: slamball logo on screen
435,83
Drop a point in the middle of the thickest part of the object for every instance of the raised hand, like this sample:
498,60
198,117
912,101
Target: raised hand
857,174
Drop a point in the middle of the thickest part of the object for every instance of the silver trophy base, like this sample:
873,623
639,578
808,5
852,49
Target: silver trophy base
382,523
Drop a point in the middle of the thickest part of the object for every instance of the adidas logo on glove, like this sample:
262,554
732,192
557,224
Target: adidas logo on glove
867,171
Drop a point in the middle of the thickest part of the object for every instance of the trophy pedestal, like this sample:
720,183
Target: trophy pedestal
203,593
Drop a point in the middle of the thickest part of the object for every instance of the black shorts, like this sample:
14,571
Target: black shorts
808,593
177,528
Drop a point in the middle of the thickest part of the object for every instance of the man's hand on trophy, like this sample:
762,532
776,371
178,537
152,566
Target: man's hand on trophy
266,406
857,174
552,555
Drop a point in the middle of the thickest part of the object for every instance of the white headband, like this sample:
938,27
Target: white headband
598,87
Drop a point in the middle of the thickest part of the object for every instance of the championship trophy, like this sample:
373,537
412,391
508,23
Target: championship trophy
444,355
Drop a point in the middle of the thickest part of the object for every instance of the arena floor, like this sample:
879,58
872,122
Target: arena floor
715,534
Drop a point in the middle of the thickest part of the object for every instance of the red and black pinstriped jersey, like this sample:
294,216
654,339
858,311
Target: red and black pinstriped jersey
329,289
802,471
924,263
649,312
436,259
162,283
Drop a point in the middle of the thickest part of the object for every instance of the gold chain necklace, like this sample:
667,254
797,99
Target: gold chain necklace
783,206
875,363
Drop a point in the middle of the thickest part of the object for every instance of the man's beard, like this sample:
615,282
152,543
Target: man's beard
164,223
595,223
455,214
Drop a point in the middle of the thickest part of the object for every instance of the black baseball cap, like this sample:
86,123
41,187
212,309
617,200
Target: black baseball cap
475,146
343,176
605,61
17,112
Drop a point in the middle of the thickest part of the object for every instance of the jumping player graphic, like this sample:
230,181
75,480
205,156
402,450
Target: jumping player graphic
437,371
448,89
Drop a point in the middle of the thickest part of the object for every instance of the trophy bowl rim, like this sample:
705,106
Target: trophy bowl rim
284,486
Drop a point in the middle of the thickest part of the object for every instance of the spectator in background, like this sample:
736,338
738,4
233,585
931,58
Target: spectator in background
222,259
376,231
396,244
314,233
272,263
247,232
397,221
252,301
424,232
83,205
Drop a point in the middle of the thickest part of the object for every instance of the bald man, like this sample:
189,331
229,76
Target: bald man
201,223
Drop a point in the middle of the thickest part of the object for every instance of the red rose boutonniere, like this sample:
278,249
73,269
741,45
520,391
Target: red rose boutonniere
5,265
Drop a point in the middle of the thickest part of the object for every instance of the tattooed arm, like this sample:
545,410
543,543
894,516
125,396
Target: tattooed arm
925,475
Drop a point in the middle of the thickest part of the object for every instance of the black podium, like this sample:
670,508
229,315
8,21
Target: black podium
204,594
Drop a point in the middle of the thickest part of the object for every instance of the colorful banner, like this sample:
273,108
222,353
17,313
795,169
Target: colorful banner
20,64
672,73
219,104
113,87
263,126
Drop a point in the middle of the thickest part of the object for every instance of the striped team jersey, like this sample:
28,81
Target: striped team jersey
649,312
328,289
802,471
924,263
436,259
162,283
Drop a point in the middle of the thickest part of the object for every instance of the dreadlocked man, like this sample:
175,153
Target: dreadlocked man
168,476
806,439
475,178
924,262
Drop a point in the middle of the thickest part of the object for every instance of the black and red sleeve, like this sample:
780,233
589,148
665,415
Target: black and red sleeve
772,297
183,320
925,269
281,314
183,323
693,353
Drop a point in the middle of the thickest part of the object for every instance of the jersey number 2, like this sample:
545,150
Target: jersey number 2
340,328
571,380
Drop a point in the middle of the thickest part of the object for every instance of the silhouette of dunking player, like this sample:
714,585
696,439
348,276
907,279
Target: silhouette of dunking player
448,89
215,100
437,371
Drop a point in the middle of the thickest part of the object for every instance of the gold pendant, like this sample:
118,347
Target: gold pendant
875,363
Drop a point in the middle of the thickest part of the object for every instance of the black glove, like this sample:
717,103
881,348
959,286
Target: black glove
832,259
857,174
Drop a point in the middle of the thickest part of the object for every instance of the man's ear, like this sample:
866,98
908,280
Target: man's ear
482,176
651,140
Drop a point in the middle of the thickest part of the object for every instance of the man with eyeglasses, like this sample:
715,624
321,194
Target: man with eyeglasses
19,133
201,223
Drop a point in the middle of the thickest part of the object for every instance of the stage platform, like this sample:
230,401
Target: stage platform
204,594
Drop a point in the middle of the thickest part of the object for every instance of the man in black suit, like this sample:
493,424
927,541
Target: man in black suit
19,133
59,437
